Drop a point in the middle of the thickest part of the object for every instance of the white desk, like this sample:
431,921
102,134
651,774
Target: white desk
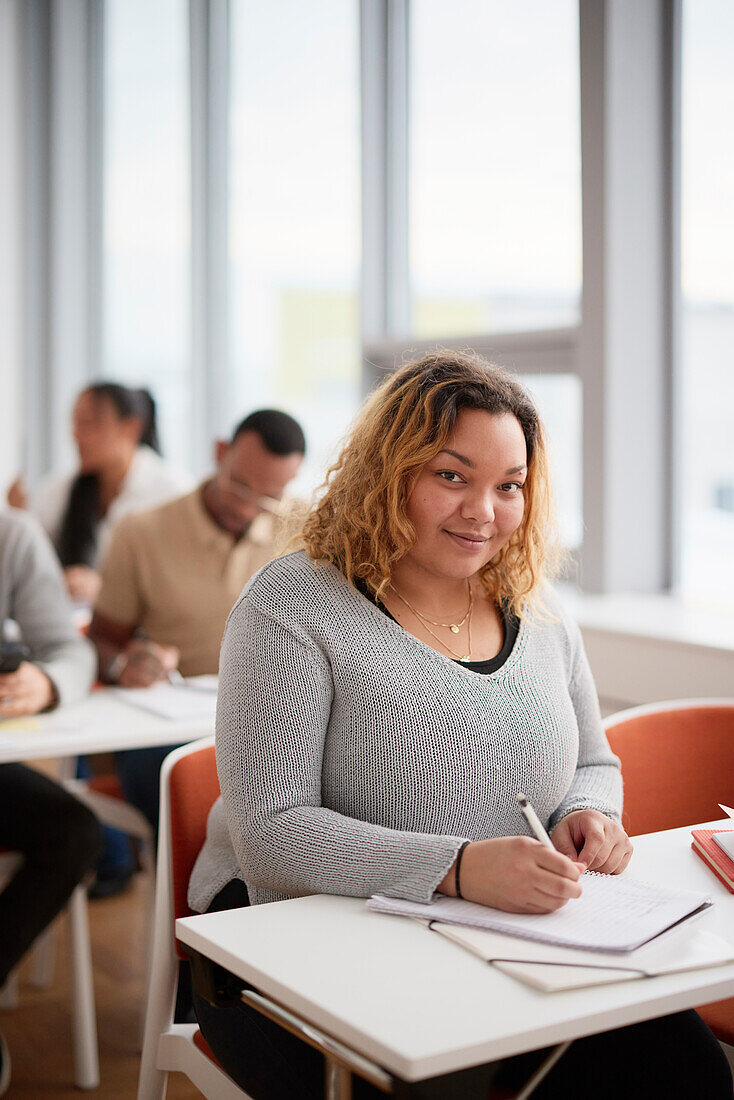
100,723
421,1006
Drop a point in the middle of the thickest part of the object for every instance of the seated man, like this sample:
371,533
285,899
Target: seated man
172,574
58,837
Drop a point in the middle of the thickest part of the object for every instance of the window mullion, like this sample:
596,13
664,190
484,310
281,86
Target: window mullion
209,51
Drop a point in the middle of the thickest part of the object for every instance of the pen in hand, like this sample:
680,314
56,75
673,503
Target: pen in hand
534,821
157,662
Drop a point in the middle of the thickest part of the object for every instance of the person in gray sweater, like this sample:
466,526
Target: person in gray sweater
386,691
58,837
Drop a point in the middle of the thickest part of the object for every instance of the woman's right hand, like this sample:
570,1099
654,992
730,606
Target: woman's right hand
18,494
517,874
82,583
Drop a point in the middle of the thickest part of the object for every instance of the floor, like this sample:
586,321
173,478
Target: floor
38,1030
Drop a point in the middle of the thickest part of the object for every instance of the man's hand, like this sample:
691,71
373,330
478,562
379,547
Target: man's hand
146,663
516,874
595,839
28,690
82,583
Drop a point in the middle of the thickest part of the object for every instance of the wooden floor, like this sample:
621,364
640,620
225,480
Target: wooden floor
38,1031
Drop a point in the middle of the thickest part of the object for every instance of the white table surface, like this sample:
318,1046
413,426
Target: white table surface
419,1005
100,723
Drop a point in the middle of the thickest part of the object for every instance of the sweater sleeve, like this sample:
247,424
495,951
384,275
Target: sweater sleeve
597,784
40,607
275,697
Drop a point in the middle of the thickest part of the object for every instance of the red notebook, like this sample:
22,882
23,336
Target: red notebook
714,857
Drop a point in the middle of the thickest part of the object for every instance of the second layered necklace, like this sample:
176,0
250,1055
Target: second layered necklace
455,627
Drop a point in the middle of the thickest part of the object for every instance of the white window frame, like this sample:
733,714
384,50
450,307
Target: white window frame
625,350
629,73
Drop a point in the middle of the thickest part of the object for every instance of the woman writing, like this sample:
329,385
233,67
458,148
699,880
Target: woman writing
388,690
120,471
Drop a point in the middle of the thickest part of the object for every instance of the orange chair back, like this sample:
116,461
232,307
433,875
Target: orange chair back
677,765
193,789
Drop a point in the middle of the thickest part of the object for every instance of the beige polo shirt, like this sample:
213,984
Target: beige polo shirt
174,574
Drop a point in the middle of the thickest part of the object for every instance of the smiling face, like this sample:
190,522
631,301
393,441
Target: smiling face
467,502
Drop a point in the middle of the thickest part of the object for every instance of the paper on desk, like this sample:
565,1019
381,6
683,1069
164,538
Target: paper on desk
725,841
553,969
613,914
177,703
13,731
206,682
19,725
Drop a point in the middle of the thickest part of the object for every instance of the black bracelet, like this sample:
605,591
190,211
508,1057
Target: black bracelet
459,854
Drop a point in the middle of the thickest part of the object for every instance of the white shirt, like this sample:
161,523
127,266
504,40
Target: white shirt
150,481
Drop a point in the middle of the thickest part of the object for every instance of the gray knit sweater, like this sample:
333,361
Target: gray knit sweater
32,593
354,759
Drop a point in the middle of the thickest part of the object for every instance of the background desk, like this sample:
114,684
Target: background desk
100,723
420,1006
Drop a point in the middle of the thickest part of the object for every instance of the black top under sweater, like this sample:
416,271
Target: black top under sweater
510,626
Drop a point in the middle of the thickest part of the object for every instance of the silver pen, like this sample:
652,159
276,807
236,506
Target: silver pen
534,821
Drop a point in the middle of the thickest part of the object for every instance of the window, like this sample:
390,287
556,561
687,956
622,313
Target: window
495,166
295,231
147,216
707,467
558,400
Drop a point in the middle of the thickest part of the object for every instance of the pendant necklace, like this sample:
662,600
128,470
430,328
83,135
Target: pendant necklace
453,627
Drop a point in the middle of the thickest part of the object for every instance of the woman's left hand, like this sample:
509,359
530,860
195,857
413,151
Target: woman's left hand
82,583
593,839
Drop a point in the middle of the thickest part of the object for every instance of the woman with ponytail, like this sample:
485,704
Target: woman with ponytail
120,471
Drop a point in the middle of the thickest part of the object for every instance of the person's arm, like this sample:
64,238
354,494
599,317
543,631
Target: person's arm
587,822
597,784
40,607
274,704
122,657
127,660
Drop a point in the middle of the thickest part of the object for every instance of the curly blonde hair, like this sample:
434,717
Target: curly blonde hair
360,523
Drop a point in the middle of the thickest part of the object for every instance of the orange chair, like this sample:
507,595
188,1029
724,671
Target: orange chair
678,765
189,787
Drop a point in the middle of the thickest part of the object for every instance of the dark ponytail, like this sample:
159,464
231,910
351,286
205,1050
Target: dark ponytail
147,414
76,542
129,402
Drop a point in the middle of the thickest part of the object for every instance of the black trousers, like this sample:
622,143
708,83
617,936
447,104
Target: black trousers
60,840
672,1058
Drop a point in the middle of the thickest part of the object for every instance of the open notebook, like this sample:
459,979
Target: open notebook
612,915
553,969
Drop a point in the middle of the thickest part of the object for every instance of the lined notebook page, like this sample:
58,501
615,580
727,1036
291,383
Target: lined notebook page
613,914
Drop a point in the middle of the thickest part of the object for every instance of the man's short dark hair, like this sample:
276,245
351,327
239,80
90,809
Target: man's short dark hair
281,434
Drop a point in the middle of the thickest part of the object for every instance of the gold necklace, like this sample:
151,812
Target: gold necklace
467,618
453,627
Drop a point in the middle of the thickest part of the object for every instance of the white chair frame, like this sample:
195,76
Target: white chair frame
168,1046
86,1053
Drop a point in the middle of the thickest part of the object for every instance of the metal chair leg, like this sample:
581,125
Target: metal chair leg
338,1081
86,1054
